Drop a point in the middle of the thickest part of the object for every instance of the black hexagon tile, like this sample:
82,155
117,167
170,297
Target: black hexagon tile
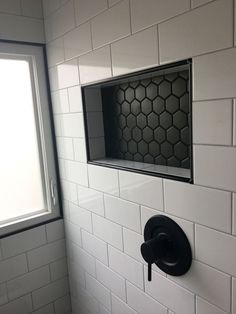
147,120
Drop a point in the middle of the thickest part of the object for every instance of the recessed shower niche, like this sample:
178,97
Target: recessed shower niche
142,121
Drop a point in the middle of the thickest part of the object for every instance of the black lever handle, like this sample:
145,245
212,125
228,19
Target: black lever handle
155,249
167,246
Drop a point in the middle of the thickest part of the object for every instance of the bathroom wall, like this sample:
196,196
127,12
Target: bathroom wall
33,266
106,209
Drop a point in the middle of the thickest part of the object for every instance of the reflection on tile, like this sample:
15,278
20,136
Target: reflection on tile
111,25
95,65
135,52
77,41
67,74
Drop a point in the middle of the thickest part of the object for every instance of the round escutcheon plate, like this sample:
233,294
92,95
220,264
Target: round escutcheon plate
174,256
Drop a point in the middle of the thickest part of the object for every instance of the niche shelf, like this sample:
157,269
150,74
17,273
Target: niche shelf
142,122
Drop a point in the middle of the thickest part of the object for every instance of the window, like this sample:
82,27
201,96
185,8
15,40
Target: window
28,177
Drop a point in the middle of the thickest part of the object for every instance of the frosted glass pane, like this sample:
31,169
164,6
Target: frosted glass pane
21,191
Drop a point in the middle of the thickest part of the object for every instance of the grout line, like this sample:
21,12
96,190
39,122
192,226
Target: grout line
112,72
234,24
130,18
231,295
158,47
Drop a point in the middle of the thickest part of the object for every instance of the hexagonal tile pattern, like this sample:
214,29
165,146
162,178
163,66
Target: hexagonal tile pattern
147,120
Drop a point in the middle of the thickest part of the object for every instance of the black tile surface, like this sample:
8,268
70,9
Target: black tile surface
147,120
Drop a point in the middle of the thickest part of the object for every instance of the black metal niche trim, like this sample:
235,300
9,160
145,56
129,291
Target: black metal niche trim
137,110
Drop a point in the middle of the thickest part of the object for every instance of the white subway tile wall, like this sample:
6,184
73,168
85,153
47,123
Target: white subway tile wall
105,209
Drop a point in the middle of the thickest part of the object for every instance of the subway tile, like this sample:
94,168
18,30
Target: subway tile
58,269
21,305
111,25
76,278
80,150
108,231
75,99
98,291
95,247
211,128
13,267
86,9
132,243
161,288
28,283
146,14
213,33
143,303
65,148
46,254
202,306
122,212
55,230
207,282
187,226
72,125
76,172
63,305
197,3
78,41
11,6
126,266
142,189
23,241
22,28
50,293
95,65
135,52
215,166
55,52
81,217
3,294
103,179
112,2
69,191
88,302
49,6
199,204
73,232
213,247
48,309
68,74
213,75
91,200
111,280
32,8
85,260
53,79
62,21
103,310
120,307
60,102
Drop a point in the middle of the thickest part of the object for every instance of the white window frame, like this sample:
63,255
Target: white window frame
35,55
